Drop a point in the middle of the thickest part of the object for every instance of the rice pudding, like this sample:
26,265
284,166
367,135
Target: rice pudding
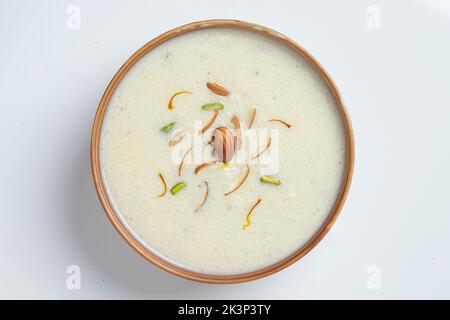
223,151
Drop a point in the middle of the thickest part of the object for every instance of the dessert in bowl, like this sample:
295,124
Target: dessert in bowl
221,151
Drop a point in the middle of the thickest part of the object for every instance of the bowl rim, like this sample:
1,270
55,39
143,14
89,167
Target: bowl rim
115,217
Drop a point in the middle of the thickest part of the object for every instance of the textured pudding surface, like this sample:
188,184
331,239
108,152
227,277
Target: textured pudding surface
258,71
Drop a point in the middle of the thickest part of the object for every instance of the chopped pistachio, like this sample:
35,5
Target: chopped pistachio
213,106
179,186
267,179
168,127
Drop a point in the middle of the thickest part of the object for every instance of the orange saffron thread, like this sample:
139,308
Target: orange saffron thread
164,184
247,219
170,105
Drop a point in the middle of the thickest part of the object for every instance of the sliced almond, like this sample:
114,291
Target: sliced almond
240,182
238,134
177,138
217,89
235,121
269,141
205,196
251,117
203,166
210,122
281,121
180,167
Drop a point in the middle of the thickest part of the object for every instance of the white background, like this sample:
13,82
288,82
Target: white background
396,84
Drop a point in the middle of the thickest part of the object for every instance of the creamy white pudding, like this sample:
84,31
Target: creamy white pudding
210,233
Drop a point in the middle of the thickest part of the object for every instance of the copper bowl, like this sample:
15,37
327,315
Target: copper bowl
114,216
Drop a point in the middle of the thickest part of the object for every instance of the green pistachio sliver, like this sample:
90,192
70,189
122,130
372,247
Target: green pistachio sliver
213,106
267,179
168,127
176,188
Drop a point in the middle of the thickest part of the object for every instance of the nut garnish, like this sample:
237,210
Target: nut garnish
203,166
217,89
238,134
205,196
241,180
177,188
210,122
180,167
269,141
168,127
281,121
222,141
177,138
270,180
251,117
213,106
